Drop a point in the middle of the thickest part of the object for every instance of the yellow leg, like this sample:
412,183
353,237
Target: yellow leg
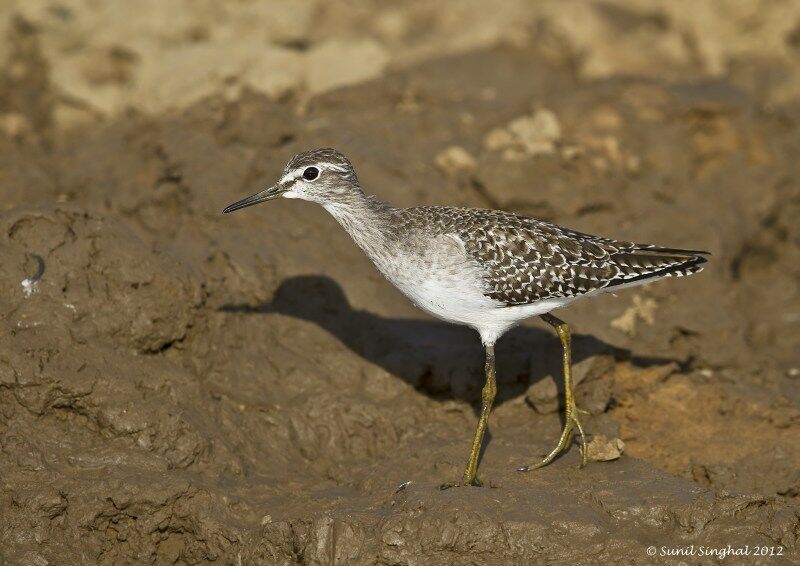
571,420
487,398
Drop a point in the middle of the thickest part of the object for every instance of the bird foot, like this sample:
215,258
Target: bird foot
475,482
572,423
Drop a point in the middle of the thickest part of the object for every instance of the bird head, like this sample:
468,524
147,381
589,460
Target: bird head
324,176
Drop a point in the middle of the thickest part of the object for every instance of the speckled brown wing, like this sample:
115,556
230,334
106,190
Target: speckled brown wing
528,260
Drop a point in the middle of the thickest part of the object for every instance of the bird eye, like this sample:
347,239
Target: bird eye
310,173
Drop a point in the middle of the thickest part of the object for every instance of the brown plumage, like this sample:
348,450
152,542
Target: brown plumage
527,260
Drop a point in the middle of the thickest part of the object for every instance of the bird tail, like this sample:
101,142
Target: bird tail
646,263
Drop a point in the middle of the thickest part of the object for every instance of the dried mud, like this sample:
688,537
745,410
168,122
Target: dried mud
184,387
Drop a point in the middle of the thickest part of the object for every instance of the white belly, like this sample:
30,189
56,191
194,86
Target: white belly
452,289
439,277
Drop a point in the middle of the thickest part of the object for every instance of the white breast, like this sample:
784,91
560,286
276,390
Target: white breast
447,284
440,278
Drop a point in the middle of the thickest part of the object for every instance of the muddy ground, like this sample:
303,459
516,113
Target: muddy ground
183,387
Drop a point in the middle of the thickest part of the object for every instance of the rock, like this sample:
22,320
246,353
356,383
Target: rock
455,160
595,396
543,395
497,139
537,133
604,449
592,368
526,136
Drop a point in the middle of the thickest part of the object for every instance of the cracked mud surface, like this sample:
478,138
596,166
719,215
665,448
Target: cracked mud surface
182,387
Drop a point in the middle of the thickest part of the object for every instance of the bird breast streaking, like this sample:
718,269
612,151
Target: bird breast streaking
486,269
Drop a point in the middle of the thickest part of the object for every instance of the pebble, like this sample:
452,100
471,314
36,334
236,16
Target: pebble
603,449
456,160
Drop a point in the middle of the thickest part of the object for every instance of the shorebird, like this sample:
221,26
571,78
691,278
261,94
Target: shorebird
486,269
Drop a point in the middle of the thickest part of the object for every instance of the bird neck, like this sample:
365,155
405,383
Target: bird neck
367,220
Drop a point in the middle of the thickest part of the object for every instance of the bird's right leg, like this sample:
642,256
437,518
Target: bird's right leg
487,399
572,420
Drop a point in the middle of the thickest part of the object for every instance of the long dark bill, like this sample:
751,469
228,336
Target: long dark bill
271,193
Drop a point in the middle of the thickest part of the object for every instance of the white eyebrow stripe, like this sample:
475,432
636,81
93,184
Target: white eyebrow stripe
330,165
298,172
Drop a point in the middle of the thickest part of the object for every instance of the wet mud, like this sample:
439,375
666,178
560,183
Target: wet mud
183,387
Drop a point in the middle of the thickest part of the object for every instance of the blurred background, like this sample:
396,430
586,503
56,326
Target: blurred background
100,59
182,387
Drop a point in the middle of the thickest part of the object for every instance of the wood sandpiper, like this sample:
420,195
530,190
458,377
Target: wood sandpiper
486,269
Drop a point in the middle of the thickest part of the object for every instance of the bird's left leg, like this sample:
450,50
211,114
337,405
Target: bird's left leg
572,420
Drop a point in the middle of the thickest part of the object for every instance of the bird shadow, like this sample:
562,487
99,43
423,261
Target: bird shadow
443,360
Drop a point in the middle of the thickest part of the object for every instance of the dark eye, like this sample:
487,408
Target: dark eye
310,173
